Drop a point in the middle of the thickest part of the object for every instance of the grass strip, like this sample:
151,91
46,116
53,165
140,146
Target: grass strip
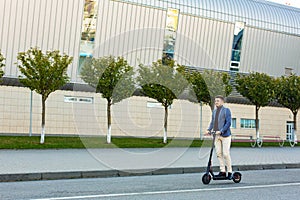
61,142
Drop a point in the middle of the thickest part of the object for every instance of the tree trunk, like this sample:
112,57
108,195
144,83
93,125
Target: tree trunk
166,125
108,138
201,116
295,126
257,121
43,120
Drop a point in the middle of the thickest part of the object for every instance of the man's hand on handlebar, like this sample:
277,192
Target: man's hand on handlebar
213,132
208,132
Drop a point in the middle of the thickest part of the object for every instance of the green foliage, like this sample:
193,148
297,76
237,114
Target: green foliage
161,82
217,83
43,72
1,65
200,88
113,77
93,69
257,87
288,92
197,85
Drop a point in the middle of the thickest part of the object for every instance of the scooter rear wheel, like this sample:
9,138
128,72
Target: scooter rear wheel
237,177
206,179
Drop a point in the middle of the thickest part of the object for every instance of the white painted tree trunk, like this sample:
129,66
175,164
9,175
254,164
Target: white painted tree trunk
165,136
43,119
108,138
295,127
166,125
42,135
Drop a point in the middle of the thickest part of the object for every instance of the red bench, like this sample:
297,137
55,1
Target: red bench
244,138
258,141
272,138
239,138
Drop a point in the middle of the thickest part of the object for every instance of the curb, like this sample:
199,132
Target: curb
126,173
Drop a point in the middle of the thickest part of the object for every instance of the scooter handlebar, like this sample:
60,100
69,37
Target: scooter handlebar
211,132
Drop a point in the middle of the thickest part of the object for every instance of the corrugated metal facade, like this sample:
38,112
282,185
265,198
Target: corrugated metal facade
270,52
135,29
257,13
204,42
48,24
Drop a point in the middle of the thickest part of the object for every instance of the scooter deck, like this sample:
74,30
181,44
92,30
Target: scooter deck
221,178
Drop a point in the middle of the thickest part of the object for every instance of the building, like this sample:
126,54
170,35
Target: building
228,35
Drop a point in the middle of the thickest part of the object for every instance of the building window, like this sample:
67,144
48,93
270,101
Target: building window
88,31
72,99
237,46
170,35
247,123
290,131
233,123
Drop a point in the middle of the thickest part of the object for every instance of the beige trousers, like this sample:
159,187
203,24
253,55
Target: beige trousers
222,145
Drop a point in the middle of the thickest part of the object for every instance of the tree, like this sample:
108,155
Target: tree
288,94
205,86
113,78
43,73
163,83
217,83
197,86
1,65
259,89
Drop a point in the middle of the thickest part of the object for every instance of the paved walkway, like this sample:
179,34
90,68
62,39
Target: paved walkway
28,165
128,160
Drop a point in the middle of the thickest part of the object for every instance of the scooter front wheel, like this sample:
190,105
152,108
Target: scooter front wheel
206,179
237,177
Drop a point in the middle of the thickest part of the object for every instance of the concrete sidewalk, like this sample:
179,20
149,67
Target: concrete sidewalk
24,165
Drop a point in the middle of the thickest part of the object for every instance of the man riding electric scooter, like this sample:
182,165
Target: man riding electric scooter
220,125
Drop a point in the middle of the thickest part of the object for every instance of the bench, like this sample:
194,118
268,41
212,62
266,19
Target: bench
244,138
240,138
258,141
292,141
272,138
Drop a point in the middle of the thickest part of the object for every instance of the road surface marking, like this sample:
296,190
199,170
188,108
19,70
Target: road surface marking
170,192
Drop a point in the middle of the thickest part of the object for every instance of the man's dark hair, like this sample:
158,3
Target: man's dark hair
220,97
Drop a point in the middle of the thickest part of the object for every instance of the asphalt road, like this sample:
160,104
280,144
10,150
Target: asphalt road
264,184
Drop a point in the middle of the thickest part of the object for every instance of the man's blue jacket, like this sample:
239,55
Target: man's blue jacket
224,121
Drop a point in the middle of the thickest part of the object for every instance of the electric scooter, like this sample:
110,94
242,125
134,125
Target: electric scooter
206,178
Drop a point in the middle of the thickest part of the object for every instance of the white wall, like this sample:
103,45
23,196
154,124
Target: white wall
130,117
